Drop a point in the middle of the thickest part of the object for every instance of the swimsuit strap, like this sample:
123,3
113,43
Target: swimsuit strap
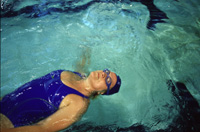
74,90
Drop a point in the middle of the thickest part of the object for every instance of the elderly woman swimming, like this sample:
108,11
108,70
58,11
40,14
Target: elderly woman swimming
55,101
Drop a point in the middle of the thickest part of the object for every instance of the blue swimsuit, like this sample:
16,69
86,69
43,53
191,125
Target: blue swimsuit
36,100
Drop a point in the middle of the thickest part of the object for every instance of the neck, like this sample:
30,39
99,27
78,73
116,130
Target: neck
81,85
85,88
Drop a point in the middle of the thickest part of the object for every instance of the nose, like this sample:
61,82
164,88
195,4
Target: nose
104,74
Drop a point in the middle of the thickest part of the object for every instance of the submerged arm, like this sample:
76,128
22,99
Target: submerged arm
82,65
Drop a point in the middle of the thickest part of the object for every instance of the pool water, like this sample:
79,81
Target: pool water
147,43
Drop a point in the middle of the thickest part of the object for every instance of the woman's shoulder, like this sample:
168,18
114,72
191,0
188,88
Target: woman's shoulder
67,74
72,74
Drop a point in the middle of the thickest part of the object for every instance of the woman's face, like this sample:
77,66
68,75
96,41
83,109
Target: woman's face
98,80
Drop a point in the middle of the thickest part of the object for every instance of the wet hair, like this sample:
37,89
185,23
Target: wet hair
94,95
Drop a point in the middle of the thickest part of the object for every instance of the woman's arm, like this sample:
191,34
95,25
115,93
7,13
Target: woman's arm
61,119
82,65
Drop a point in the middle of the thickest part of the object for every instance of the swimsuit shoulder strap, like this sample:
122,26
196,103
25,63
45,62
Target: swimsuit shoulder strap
78,91
71,90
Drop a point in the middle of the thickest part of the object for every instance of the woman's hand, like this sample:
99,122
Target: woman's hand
84,62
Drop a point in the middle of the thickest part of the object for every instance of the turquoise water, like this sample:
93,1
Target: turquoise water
117,34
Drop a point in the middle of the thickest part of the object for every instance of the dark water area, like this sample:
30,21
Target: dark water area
41,10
